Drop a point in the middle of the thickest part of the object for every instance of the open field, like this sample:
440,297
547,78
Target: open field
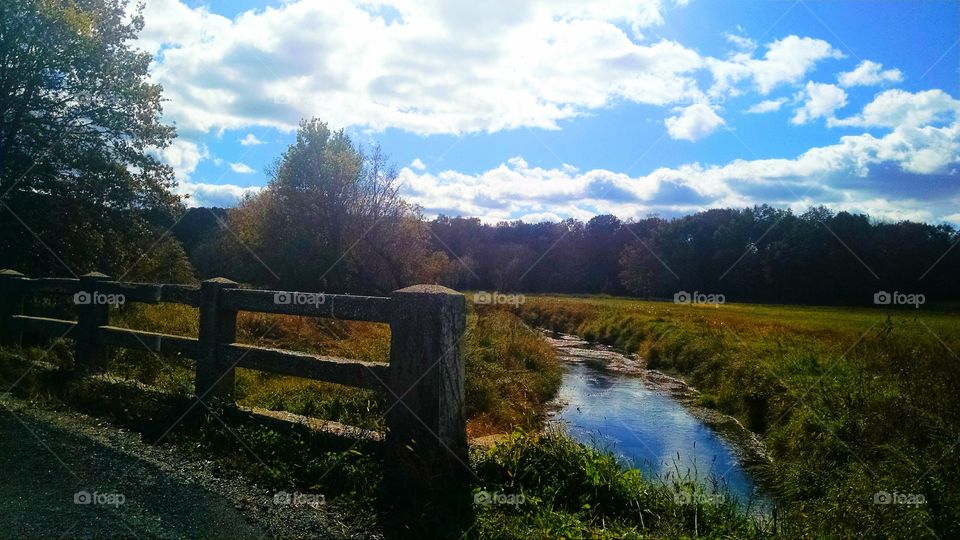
852,403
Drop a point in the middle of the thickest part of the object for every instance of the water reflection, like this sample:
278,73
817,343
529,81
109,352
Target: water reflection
650,430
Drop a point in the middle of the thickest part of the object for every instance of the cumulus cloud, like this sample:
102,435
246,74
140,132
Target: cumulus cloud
241,168
694,122
184,156
741,42
250,140
427,68
786,60
223,195
766,106
820,101
895,108
846,175
869,73
418,164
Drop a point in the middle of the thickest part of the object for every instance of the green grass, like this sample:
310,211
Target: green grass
850,402
563,489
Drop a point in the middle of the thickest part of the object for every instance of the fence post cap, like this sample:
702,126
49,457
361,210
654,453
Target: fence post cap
427,289
220,281
95,275
9,272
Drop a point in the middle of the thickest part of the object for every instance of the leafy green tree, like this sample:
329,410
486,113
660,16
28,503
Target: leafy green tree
80,184
330,219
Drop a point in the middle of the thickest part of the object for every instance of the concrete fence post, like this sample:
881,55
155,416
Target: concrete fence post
92,312
214,380
426,438
11,303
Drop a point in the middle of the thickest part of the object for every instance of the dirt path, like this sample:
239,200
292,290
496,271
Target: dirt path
52,462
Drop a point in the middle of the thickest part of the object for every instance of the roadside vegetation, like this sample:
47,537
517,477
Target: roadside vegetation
853,404
511,371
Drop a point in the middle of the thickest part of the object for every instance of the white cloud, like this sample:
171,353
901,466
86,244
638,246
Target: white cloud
241,168
183,156
766,106
847,175
741,42
894,108
432,67
540,217
250,140
418,164
786,61
869,73
203,194
820,101
693,123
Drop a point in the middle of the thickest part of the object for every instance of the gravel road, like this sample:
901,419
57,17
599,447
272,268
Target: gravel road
63,474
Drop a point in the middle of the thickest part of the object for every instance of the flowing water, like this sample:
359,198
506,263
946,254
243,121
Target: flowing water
608,400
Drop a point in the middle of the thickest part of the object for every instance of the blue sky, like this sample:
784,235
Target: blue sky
568,109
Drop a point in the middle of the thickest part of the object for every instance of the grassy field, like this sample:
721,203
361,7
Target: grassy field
852,403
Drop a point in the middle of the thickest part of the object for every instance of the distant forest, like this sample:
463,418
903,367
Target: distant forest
758,254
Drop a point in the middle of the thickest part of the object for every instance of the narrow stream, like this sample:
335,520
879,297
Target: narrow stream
608,400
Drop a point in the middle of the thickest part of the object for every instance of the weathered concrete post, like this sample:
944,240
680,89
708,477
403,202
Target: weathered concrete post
11,303
426,439
214,382
92,312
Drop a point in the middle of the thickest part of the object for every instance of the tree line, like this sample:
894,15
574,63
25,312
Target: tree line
758,254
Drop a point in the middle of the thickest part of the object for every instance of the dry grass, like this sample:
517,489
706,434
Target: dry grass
511,372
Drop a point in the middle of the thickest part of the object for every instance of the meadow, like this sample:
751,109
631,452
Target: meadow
857,406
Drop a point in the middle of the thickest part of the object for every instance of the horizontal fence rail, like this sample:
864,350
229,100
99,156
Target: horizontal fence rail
46,286
43,325
423,383
147,341
336,306
322,368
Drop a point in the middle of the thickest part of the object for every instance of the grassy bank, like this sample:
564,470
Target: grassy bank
552,487
852,403
511,372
